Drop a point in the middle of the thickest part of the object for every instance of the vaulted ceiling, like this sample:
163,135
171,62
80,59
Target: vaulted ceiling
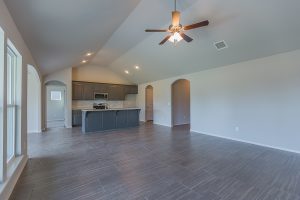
60,32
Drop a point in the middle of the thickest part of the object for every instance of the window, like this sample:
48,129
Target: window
2,77
13,95
55,95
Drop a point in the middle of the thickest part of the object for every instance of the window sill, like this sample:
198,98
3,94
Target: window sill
13,173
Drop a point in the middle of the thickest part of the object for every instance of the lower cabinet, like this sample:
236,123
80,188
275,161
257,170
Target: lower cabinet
109,120
76,118
94,121
121,117
133,118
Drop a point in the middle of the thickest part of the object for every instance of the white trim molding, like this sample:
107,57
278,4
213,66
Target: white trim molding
246,141
13,174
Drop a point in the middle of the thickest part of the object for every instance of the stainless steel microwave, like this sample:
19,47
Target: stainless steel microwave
100,96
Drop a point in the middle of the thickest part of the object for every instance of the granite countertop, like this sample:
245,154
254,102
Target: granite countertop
110,109
82,108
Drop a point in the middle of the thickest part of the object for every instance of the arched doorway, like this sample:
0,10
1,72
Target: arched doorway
55,104
34,101
149,103
181,102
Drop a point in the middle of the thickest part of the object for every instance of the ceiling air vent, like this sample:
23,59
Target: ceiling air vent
221,45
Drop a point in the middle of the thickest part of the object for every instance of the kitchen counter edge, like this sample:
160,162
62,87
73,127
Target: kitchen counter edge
111,109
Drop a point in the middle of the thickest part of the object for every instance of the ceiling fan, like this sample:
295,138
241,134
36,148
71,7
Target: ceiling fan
176,30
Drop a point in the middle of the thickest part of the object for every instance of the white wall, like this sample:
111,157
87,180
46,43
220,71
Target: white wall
64,76
256,101
11,32
94,73
33,101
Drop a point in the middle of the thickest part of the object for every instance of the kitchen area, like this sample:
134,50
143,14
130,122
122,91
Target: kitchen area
104,106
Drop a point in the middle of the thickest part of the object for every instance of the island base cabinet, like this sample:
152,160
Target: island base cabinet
133,118
121,117
94,121
109,120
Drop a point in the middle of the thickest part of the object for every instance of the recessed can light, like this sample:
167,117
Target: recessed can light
84,61
137,67
126,72
89,54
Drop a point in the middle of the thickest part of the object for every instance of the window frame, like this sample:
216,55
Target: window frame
13,98
3,166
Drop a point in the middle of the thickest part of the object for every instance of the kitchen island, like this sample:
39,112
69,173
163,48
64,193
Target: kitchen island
95,120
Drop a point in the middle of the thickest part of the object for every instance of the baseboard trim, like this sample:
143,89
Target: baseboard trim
246,141
161,124
36,131
8,186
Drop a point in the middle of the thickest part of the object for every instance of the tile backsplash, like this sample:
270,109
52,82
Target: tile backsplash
129,102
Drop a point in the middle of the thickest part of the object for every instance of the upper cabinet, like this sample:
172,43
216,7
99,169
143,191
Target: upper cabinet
116,92
82,91
101,87
86,90
77,90
131,89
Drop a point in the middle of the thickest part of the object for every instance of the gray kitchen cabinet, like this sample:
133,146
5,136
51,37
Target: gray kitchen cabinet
77,91
101,88
88,91
76,118
133,118
116,92
82,91
109,120
103,120
131,89
93,120
121,119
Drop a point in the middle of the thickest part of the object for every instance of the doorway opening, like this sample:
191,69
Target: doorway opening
34,99
181,103
55,104
149,103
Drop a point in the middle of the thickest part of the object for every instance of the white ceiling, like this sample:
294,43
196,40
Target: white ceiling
252,29
60,32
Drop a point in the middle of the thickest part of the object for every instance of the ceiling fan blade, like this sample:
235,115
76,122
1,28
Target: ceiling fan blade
197,25
186,38
155,30
175,18
164,40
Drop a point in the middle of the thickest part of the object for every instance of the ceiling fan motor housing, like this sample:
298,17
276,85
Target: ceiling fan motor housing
174,29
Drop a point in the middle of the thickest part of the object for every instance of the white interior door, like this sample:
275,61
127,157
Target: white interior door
55,106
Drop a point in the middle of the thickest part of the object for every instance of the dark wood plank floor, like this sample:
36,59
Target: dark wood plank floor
154,162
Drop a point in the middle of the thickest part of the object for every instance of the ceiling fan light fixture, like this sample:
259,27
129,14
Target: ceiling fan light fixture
177,30
176,37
